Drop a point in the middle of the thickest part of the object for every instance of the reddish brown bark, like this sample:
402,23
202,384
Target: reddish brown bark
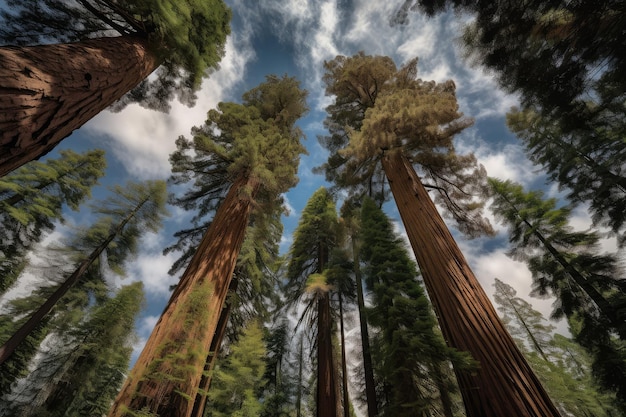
326,380
166,376
48,91
504,385
211,360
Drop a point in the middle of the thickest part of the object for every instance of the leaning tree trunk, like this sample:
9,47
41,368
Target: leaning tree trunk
326,395
27,328
504,384
166,376
48,91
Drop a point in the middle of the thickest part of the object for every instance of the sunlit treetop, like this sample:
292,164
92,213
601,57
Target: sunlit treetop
379,108
187,36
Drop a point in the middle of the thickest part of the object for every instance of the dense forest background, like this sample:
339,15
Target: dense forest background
282,252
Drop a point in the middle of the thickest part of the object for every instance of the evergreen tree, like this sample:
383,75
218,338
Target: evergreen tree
105,49
131,211
413,123
239,378
250,153
406,345
567,265
563,262
279,390
350,217
563,367
555,54
587,162
32,199
309,258
95,357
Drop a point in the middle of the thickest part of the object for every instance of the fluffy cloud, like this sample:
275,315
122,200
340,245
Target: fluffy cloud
144,139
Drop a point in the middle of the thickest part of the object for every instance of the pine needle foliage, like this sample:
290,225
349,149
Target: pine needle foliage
407,349
32,199
378,108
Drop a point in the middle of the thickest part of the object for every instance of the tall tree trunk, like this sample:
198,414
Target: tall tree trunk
214,349
370,386
166,376
326,396
504,385
344,365
48,91
10,345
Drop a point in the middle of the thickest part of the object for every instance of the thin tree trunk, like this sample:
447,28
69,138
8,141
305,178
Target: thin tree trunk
504,385
605,307
439,372
48,91
300,372
344,366
370,386
166,376
326,396
214,349
10,345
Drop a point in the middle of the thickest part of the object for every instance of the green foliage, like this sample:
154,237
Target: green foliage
561,260
567,264
96,357
406,348
563,367
555,54
239,378
585,161
124,217
378,107
187,36
314,239
257,138
16,366
32,199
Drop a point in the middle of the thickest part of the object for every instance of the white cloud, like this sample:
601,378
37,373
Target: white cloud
151,269
144,139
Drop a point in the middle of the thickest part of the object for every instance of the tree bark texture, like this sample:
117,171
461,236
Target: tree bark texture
214,349
48,91
166,376
504,384
326,380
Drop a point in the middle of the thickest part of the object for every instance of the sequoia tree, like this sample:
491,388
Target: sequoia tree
309,257
413,123
249,152
105,49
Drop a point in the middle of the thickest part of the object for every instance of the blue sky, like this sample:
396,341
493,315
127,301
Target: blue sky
294,37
